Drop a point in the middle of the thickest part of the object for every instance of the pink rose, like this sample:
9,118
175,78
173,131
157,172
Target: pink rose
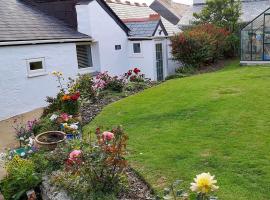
107,135
75,154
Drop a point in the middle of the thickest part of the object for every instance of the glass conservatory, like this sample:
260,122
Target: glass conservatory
255,39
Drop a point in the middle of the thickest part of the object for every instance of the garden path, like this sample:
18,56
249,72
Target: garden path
7,135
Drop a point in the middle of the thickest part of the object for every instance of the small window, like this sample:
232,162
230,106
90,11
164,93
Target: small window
36,67
84,56
136,47
117,47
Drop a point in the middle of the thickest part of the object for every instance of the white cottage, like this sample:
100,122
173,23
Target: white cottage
86,36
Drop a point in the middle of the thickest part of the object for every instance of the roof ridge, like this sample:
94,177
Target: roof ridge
127,3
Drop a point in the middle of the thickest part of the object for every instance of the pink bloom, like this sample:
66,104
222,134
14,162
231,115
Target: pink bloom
64,116
107,135
75,154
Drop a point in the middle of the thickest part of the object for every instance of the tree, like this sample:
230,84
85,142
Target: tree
222,13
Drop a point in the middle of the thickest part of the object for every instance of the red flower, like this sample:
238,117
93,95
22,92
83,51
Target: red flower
136,70
78,94
74,97
129,73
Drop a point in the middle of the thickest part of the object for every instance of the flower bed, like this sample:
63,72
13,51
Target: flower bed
89,165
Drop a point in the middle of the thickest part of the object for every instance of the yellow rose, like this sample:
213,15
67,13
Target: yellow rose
204,183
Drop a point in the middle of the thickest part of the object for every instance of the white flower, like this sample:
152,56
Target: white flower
53,117
3,156
22,138
31,142
204,183
22,154
74,126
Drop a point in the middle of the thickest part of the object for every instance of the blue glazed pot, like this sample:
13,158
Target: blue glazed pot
73,136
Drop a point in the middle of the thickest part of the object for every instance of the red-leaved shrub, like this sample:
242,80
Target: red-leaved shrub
202,44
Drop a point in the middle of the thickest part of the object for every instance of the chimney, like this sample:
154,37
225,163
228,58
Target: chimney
154,17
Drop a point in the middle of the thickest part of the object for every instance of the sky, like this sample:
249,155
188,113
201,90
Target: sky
148,2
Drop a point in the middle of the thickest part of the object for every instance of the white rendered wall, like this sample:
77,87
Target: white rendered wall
172,64
19,93
93,20
146,60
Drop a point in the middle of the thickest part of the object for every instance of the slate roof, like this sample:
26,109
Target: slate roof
250,10
127,10
170,10
142,29
21,22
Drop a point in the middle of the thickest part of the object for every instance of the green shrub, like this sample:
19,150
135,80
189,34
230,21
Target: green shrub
92,170
136,86
45,124
21,177
174,76
55,104
84,85
115,84
200,45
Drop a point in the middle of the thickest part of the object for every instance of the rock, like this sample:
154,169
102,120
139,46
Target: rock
49,192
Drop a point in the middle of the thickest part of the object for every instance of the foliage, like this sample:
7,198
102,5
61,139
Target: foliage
96,168
21,177
136,86
45,124
201,122
174,192
24,131
84,84
222,13
202,44
174,76
116,84
55,104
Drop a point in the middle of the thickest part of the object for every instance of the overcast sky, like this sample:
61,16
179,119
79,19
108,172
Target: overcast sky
148,2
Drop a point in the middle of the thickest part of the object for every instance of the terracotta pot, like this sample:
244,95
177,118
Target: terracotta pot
56,137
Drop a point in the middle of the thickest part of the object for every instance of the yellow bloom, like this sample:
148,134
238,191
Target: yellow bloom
204,183
54,73
59,73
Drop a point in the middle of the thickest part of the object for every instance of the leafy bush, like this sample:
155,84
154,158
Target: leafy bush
116,84
21,177
84,84
93,168
45,124
174,76
202,44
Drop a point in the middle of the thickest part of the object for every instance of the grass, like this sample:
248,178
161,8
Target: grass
217,122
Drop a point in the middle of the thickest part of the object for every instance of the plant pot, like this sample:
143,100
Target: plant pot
49,140
21,151
71,136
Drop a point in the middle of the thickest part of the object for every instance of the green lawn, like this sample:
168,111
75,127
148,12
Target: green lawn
217,122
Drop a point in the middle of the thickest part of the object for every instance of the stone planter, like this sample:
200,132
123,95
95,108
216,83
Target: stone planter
49,140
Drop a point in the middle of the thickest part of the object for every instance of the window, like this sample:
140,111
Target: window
36,67
117,47
84,56
136,47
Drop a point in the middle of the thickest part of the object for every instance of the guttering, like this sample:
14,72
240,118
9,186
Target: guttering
33,42
147,38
